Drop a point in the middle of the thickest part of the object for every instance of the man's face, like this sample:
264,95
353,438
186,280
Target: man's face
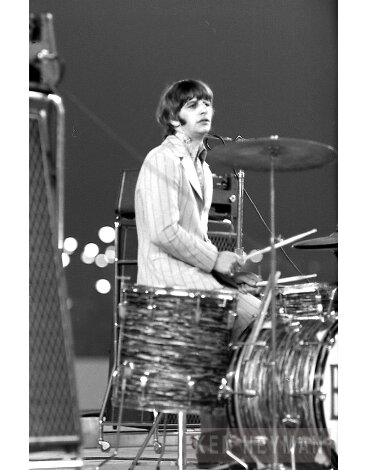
197,115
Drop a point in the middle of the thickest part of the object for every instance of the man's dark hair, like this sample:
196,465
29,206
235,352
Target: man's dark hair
175,96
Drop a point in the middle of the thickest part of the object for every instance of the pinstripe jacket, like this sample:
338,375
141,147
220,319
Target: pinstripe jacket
172,218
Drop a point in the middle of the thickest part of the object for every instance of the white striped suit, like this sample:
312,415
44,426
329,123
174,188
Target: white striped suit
172,219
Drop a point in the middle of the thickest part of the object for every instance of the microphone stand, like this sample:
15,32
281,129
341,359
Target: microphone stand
241,178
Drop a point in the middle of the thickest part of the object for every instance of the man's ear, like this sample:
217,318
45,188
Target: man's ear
175,123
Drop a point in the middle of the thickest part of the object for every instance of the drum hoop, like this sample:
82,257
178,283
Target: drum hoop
228,294
318,379
317,368
307,288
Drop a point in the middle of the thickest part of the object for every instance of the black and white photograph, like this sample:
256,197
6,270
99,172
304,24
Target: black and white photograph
183,234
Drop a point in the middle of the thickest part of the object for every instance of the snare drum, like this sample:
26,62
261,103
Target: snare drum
307,301
174,347
306,388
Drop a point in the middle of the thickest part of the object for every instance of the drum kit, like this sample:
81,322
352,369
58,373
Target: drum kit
278,381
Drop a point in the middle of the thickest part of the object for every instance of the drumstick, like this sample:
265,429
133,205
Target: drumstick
279,244
286,279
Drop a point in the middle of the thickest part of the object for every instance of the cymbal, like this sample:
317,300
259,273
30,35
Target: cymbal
254,154
321,243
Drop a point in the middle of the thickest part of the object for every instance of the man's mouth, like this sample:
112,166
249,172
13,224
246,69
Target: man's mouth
204,120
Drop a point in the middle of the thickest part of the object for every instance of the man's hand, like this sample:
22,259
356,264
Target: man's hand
228,263
247,282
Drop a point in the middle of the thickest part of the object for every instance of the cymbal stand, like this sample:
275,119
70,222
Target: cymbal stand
241,178
245,355
273,150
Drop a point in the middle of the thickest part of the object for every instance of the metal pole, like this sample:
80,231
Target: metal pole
181,440
241,179
273,317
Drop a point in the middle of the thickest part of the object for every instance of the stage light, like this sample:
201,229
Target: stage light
103,286
86,259
91,250
106,234
65,259
110,254
70,245
101,261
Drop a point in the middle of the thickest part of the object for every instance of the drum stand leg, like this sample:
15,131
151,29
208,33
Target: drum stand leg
104,445
114,376
117,340
181,440
147,439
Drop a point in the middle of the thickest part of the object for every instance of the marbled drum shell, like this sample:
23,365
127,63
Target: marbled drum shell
305,351
309,300
174,347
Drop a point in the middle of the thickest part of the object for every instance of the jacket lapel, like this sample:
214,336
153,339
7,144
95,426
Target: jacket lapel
208,178
180,150
191,174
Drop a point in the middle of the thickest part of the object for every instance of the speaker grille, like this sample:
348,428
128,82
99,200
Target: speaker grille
53,416
224,241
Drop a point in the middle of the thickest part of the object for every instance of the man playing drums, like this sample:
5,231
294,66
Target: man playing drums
172,201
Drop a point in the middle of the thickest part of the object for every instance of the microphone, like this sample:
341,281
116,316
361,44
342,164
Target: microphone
239,138
218,137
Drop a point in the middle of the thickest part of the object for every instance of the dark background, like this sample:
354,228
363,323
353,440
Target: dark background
273,67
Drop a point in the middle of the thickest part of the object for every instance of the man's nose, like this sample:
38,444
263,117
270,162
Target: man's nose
203,108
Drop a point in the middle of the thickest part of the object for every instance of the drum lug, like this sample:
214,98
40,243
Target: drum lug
122,310
231,319
248,393
239,344
225,392
261,344
197,311
190,387
290,421
309,343
317,393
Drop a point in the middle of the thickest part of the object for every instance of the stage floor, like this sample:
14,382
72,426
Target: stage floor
130,441
125,447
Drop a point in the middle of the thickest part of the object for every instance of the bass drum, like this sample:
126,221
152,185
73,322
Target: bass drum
306,393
